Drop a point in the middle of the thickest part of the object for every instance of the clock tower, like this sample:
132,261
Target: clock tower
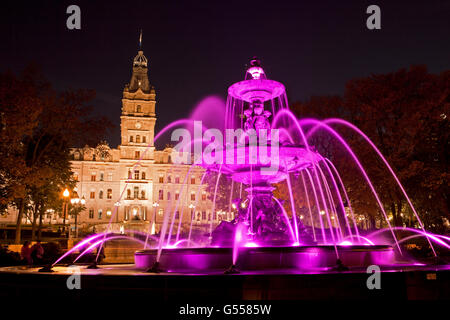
138,113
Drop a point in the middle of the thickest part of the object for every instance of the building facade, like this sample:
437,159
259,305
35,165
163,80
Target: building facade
135,185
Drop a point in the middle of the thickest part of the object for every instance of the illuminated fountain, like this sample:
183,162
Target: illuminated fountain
269,145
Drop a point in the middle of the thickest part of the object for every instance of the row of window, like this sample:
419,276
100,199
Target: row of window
177,195
136,193
177,179
136,175
138,139
199,215
99,213
100,194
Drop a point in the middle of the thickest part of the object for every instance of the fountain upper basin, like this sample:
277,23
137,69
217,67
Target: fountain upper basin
260,89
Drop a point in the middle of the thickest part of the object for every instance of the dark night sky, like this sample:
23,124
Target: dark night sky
198,48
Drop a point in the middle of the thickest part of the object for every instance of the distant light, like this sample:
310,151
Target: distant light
322,212
233,206
66,193
301,217
243,205
251,245
255,72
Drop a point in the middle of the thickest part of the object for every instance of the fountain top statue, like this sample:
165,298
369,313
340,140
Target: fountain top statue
256,88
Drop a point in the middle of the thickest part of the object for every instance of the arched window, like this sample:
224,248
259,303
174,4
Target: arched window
109,194
131,138
100,194
143,194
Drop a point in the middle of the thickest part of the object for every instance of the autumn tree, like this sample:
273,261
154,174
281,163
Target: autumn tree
38,151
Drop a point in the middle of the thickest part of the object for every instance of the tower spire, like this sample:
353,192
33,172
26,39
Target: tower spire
140,40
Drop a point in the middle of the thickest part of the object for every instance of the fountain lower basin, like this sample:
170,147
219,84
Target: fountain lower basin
267,258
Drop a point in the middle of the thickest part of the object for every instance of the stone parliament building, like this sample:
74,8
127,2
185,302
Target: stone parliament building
135,179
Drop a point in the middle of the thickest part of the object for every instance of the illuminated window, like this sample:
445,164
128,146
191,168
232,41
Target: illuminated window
192,196
75,176
136,175
177,196
161,179
144,139
92,195
131,138
161,195
128,193
192,180
138,139
93,176
137,154
91,213
109,194
204,196
143,175
136,192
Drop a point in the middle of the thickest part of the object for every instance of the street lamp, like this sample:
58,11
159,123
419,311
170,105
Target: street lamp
75,201
192,207
155,206
65,207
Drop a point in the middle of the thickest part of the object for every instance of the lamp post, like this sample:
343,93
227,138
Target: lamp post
75,201
65,205
152,228
192,207
155,206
